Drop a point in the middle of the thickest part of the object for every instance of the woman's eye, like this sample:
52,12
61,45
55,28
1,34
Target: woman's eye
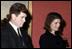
56,23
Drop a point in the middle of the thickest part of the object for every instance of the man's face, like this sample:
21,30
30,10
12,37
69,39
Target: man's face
20,19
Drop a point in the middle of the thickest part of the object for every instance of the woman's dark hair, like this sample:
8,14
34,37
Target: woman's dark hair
16,9
50,17
4,22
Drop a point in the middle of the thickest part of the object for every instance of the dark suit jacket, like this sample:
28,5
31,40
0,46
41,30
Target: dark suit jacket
48,40
9,38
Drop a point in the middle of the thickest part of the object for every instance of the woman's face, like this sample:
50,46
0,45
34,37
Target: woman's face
55,25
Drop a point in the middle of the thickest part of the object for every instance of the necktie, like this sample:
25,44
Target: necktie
21,37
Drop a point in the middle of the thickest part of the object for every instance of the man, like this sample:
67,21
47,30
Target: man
12,35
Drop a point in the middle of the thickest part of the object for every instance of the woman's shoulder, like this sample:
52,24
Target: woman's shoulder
44,36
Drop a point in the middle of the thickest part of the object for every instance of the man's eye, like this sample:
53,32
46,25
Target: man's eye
22,17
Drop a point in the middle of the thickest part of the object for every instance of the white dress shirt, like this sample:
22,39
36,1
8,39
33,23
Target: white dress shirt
15,28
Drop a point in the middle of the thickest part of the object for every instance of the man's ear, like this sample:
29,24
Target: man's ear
13,16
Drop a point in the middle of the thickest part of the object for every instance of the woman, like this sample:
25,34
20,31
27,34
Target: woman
51,38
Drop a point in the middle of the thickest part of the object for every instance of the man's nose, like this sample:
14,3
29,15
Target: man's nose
24,20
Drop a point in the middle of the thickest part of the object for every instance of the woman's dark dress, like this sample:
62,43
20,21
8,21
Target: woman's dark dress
48,40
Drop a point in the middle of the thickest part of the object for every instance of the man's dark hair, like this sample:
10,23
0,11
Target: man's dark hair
16,9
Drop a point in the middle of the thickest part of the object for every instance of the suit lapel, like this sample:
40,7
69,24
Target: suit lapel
14,36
